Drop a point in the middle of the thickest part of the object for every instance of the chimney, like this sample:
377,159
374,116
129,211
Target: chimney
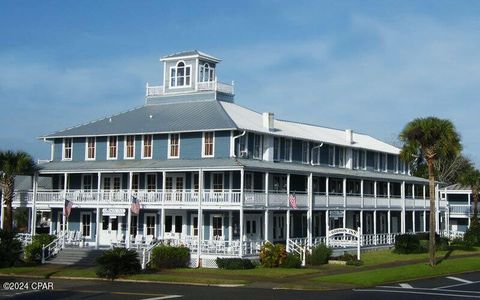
349,136
268,121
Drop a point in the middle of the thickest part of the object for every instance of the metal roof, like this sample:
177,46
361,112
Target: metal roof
190,53
225,163
457,187
248,119
160,118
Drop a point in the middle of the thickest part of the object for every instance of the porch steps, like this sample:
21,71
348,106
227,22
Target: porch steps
76,257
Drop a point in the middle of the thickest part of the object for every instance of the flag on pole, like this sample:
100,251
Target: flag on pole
293,200
68,208
135,208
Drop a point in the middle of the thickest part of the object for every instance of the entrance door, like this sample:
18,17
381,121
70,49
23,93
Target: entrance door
109,231
368,224
111,184
278,227
253,227
173,226
174,186
383,222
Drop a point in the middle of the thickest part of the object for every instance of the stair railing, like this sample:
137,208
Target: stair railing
53,248
147,253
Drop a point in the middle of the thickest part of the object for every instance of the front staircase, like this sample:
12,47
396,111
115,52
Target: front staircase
75,256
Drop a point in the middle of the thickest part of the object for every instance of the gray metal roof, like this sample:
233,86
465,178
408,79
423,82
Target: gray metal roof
129,165
171,117
190,53
457,187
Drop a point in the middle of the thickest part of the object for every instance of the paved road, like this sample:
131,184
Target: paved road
456,287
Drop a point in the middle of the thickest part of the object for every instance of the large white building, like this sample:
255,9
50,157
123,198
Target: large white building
219,177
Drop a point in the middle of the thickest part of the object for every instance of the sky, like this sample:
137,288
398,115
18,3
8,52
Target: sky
371,66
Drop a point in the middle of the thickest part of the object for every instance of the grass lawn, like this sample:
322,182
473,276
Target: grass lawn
257,272
48,270
388,256
403,273
169,277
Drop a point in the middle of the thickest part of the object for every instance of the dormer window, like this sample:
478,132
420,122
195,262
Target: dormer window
180,75
207,73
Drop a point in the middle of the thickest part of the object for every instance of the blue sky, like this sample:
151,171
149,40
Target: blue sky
367,65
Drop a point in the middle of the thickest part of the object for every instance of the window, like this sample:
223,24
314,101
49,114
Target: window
67,149
241,146
248,182
331,156
134,225
151,182
87,182
208,144
150,224
217,182
257,146
178,224
279,183
383,162
305,152
358,159
195,182
91,148
86,224
217,226
180,75
207,73
130,146
339,156
135,184
194,225
174,145
288,150
276,149
112,147
147,146
376,161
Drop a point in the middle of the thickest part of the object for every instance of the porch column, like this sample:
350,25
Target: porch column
327,217
287,235
402,214
162,210
199,215
424,220
437,209
326,191
361,222
129,213
230,225
389,194
413,221
2,212
310,211
267,177
375,226
389,221
267,229
375,195
98,219
242,186
265,236
344,195
344,218
469,208
34,201
361,193
64,218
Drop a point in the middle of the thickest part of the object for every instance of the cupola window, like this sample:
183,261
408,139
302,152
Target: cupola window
207,73
180,75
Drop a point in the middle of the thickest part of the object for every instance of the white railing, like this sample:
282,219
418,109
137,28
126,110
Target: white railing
451,234
295,246
335,201
221,197
147,254
378,239
252,248
255,198
53,248
460,209
24,238
152,91
319,200
277,199
354,201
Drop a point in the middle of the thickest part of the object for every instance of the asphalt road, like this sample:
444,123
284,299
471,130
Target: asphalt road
456,287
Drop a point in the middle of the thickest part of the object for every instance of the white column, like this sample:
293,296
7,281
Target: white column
2,212
265,235
199,214
469,208
129,211
65,225
288,230
413,221
310,210
326,192
230,225
242,187
424,220
34,202
344,195
375,192
437,208
361,194
389,194
402,215
162,210
375,226
267,177
361,221
389,221
327,218
344,219
98,217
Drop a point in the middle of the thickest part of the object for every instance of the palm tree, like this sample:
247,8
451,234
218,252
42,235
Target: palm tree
430,139
471,178
11,165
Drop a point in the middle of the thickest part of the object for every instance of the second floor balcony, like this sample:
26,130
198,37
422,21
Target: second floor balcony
215,86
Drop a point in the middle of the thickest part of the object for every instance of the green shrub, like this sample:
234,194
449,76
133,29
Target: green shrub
166,257
472,234
292,261
116,262
355,262
10,248
33,252
443,244
407,243
234,263
461,244
272,256
320,255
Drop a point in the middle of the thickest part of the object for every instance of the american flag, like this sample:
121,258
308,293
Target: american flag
68,208
293,200
135,208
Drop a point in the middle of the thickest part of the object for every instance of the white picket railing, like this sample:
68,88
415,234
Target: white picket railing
53,248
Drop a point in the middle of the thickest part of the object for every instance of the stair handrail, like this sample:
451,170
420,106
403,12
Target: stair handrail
147,253
301,250
52,248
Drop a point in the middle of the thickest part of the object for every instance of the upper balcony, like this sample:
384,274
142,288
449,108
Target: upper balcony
214,86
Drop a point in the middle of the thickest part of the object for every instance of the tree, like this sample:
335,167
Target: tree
448,170
471,179
430,139
11,165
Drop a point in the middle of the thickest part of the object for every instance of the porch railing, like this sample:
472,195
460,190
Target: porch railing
53,248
